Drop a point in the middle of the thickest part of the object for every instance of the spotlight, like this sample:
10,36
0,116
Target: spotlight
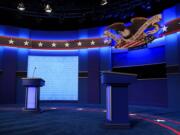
48,9
21,7
104,2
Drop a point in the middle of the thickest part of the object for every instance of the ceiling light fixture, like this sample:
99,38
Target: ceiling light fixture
104,2
48,8
21,7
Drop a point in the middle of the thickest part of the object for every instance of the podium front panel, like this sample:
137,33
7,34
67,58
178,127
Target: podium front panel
108,103
31,98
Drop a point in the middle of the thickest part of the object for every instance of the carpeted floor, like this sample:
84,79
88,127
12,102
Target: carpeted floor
74,119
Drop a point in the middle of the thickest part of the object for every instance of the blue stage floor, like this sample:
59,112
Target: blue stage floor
75,119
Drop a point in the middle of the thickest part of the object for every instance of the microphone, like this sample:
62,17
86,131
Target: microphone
34,71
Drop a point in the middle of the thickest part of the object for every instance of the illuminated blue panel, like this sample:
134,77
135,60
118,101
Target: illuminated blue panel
12,31
95,32
139,57
54,35
60,74
169,14
172,49
2,29
83,33
1,57
24,33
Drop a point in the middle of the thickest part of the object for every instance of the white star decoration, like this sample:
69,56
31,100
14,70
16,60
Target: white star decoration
40,44
164,28
53,44
11,41
92,42
79,43
26,43
66,44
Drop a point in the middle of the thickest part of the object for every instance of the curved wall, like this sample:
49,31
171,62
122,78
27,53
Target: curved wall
51,35
13,64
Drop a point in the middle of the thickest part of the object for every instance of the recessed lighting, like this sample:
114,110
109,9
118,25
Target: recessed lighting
21,7
104,2
48,8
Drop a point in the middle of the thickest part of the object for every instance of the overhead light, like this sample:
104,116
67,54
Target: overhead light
104,2
48,8
21,7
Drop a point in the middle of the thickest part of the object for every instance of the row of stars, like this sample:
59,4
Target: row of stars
106,41
40,44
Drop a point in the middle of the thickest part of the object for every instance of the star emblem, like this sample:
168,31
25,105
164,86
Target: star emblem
53,44
79,43
26,43
92,42
40,44
66,44
164,28
11,41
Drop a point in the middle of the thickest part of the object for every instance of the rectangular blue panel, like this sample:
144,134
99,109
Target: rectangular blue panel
139,57
60,74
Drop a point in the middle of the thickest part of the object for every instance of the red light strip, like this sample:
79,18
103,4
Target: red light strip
159,124
169,120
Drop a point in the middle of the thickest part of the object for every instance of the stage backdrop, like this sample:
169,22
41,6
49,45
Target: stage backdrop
60,74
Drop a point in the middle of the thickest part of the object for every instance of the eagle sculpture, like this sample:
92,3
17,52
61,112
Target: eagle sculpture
139,32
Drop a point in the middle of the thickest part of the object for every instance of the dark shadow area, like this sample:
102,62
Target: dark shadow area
145,71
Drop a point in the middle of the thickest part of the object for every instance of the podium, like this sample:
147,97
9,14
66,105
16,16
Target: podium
32,93
117,114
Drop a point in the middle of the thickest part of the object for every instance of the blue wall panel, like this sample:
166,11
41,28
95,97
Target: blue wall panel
20,91
95,32
93,76
22,58
151,92
1,56
8,82
12,31
83,60
105,59
54,35
169,14
83,90
174,91
139,57
172,49
178,10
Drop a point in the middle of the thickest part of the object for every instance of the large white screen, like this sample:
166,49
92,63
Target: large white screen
60,74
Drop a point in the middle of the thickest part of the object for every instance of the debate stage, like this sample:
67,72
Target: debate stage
72,119
117,77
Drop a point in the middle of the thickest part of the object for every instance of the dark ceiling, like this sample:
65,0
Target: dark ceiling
76,14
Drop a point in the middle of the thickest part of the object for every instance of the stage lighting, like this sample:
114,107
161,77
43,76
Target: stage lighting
21,7
48,9
104,2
